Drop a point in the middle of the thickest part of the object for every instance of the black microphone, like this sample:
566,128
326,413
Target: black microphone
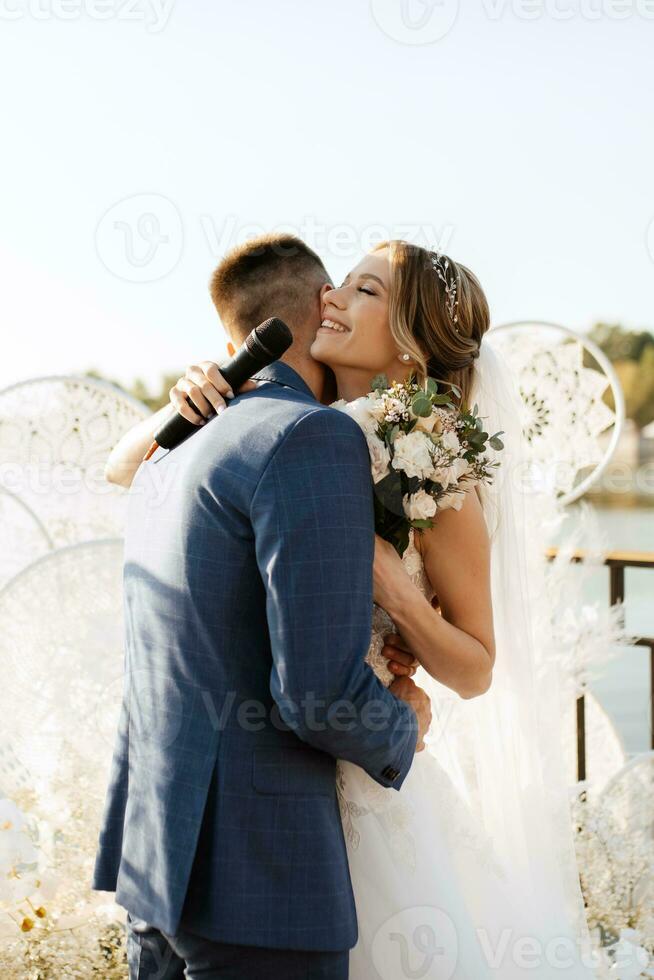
265,344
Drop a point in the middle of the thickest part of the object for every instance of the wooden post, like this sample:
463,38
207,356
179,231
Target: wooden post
581,738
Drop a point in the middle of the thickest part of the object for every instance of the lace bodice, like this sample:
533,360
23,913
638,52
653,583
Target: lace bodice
382,624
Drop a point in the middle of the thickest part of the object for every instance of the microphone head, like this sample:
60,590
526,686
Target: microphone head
274,335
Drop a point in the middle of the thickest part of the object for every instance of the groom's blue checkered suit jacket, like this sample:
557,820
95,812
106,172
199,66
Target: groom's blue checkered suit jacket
248,599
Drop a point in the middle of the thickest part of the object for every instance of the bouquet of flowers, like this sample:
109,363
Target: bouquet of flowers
424,450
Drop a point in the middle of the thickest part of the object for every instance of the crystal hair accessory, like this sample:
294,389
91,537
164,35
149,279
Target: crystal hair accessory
444,269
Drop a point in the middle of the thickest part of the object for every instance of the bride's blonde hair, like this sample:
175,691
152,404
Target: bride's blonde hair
438,313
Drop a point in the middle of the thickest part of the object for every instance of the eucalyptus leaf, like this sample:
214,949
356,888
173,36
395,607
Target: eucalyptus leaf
421,404
379,383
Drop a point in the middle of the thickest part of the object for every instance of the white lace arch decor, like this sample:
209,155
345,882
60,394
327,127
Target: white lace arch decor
630,795
629,798
563,378
61,655
55,436
24,536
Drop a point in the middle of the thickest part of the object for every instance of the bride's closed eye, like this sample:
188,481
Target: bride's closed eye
365,289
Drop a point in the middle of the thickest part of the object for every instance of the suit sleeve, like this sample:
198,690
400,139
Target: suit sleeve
312,515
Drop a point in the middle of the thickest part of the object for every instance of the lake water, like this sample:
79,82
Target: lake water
624,685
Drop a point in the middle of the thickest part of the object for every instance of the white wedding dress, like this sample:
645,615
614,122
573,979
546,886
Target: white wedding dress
433,899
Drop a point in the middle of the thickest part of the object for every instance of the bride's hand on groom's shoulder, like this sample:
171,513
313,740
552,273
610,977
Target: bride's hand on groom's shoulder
205,386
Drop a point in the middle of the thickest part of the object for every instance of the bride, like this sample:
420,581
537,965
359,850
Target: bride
469,872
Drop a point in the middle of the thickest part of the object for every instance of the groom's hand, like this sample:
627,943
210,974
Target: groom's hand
401,661
406,690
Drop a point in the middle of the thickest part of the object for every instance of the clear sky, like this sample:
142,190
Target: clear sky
516,134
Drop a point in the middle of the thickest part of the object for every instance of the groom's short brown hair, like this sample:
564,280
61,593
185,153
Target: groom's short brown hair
271,275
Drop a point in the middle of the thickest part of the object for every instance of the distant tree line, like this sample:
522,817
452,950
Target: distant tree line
632,355
138,389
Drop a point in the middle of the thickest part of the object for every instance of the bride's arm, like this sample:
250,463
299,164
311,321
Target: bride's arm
127,455
457,646
207,389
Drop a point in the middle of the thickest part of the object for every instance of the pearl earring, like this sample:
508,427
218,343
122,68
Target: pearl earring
405,357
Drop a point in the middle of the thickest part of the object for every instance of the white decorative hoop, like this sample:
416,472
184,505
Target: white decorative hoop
639,760
24,535
84,379
514,348
62,646
38,523
629,795
61,651
56,433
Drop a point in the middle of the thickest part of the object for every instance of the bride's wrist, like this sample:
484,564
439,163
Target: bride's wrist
400,597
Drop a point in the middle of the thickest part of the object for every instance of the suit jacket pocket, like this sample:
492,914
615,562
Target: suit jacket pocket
293,771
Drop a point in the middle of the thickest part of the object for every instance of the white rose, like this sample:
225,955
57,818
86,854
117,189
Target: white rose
377,409
412,453
429,423
440,474
380,458
361,411
419,506
450,473
451,501
450,442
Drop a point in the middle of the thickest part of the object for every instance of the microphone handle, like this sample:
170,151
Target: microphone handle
247,360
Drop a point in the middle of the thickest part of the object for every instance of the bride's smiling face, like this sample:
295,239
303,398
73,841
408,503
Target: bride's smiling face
355,331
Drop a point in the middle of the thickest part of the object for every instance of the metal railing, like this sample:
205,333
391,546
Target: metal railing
616,562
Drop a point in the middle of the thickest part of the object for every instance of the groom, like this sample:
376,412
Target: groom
248,600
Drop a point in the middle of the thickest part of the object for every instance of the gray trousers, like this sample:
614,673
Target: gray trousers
153,955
